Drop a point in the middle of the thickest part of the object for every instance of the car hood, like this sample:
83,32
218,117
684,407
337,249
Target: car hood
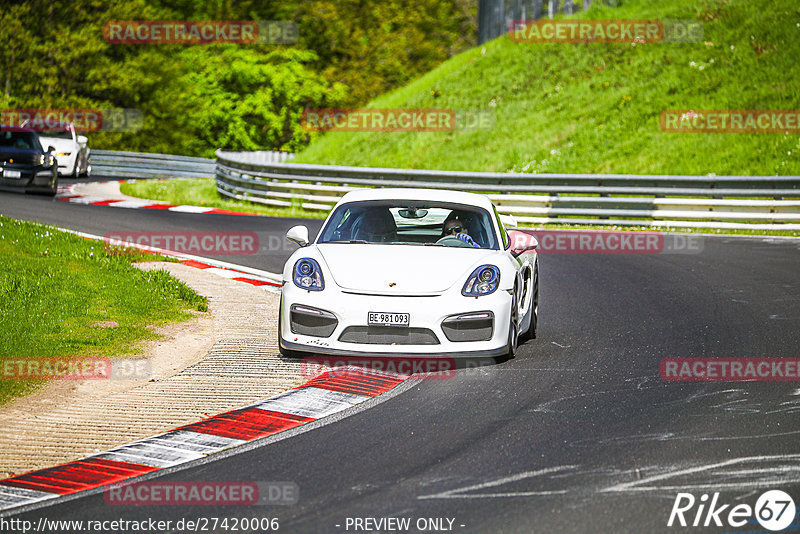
20,155
61,145
400,269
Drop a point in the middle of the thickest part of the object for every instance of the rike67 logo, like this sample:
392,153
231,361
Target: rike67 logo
774,510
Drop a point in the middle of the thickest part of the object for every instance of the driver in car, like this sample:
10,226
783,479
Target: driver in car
454,227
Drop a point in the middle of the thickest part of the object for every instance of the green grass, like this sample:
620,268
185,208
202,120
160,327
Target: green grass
203,192
594,108
54,287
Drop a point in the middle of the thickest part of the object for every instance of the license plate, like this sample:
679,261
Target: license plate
388,319
11,174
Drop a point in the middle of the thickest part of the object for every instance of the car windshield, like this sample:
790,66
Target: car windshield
23,140
58,135
397,222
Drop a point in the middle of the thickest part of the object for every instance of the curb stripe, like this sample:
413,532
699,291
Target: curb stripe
355,384
327,394
66,194
197,264
76,476
311,402
248,423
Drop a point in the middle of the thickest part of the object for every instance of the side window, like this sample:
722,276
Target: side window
503,233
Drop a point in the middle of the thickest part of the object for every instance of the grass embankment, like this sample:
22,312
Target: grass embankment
589,108
594,108
60,295
203,192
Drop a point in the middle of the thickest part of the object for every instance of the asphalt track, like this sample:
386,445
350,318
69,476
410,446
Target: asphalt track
578,433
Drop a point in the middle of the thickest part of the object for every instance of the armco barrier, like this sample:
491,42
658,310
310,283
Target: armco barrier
142,165
736,202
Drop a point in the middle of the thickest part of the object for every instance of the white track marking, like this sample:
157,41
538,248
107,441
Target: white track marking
198,441
85,200
790,468
459,492
11,496
132,203
172,448
311,402
224,273
190,209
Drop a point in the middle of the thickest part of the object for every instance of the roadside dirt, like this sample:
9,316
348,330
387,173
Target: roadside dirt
215,362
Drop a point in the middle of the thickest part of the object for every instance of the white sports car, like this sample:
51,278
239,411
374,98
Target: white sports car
72,150
408,272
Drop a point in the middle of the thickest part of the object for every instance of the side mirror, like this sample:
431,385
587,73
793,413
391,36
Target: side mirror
298,234
509,221
51,148
521,242
82,139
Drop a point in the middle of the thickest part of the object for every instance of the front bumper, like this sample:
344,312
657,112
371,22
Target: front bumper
66,164
32,178
424,335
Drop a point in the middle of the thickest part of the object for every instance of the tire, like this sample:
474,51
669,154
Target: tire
535,306
513,327
530,333
52,192
86,168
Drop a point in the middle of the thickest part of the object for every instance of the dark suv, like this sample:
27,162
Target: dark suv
24,164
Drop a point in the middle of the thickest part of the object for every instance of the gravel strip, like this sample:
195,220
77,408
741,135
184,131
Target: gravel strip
216,362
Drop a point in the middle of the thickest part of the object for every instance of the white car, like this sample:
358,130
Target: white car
72,150
408,272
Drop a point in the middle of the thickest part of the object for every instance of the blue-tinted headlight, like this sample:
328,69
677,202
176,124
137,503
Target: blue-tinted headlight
308,275
483,281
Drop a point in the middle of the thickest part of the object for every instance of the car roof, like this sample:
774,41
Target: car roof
52,127
403,193
8,128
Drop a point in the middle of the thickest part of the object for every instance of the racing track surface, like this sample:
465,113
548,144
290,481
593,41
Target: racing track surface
576,434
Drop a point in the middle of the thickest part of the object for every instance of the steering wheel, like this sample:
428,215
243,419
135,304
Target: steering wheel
452,241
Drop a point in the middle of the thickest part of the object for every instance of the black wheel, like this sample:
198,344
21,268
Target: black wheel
53,190
535,306
513,328
533,291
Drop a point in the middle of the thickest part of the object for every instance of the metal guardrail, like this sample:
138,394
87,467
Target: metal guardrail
495,16
142,165
737,202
